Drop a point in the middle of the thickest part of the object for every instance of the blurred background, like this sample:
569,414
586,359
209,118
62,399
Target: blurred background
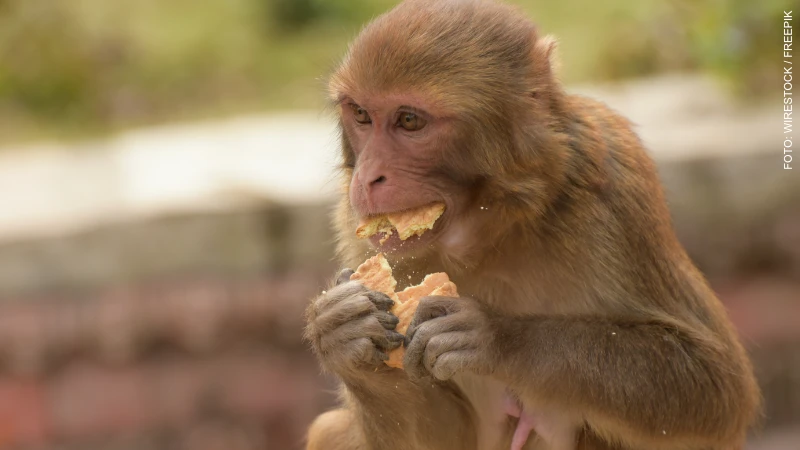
166,178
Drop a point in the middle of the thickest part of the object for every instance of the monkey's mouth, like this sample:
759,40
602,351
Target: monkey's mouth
392,243
404,229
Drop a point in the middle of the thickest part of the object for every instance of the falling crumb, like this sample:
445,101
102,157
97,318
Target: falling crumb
613,333
663,431
324,292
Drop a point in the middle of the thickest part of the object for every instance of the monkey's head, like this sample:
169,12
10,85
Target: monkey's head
453,102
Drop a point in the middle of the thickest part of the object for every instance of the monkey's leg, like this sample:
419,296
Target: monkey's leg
334,430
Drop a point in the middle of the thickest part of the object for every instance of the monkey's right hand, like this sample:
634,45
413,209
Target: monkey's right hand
350,327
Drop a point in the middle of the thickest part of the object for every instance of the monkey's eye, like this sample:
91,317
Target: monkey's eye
361,115
411,121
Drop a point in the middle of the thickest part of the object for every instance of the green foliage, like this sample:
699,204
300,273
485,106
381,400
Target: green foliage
99,64
296,14
735,39
46,68
293,16
740,40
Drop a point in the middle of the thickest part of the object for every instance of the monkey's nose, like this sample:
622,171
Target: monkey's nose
380,180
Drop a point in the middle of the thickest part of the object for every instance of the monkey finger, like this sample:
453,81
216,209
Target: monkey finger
380,356
450,363
442,324
345,351
414,370
415,350
344,276
338,294
392,341
366,352
366,327
381,300
359,351
447,342
387,340
431,308
387,319
347,316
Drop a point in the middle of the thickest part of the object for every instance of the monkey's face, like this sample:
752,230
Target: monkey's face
396,145
432,111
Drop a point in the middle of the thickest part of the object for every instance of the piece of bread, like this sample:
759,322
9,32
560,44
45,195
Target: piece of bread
373,225
407,223
376,274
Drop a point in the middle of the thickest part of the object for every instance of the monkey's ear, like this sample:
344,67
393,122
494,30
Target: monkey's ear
547,46
545,63
544,58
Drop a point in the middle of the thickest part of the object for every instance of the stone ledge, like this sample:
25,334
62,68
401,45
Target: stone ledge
264,239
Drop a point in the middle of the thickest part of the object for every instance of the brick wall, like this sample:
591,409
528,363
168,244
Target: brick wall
182,332
201,363
185,332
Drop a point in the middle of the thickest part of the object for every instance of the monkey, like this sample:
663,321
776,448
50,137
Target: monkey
582,322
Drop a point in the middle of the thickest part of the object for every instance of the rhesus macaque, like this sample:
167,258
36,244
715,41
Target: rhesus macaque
582,322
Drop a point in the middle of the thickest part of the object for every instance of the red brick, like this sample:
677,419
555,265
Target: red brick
23,416
270,387
765,310
87,400
115,325
221,436
189,314
179,387
22,337
251,304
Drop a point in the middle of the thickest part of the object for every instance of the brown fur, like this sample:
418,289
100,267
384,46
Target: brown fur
594,313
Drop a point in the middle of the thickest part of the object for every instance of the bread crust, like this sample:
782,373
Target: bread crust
412,222
376,274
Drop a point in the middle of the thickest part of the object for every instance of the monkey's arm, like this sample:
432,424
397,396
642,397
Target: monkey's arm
648,380
640,381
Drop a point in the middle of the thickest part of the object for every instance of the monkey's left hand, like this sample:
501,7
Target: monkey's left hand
448,335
